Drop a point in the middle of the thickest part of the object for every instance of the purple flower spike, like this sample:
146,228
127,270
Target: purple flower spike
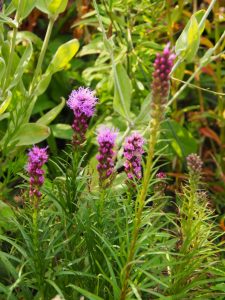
133,150
160,86
106,140
82,102
37,157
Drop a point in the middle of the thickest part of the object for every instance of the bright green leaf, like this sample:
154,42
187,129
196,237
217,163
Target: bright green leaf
188,42
6,103
63,55
52,114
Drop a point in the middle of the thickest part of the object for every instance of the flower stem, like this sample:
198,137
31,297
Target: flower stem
36,245
140,201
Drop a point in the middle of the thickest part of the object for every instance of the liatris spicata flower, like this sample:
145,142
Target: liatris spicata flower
160,85
106,139
194,164
133,150
82,102
37,157
160,186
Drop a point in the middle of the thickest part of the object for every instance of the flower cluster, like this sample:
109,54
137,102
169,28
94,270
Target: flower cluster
82,102
160,85
133,150
194,164
37,157
106,140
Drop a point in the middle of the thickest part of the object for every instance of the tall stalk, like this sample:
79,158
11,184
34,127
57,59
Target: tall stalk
160,92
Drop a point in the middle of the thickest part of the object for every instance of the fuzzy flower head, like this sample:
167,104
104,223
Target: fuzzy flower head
160,86
194,164
82,102
106,157
133,150
37,157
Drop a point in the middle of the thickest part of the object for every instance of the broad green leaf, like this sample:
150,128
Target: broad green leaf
2,68
6,103
188,42
26,7
178,138
6,213
52,114
24,60
30,133
199,15
52,7
123,91
62,131
63,55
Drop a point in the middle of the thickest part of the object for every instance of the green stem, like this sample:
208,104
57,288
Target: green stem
42,53
37,260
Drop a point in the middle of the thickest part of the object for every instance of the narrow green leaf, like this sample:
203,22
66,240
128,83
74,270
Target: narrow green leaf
52,114
24,60
2,68
29,36
85,293
63,55
30,133
56,287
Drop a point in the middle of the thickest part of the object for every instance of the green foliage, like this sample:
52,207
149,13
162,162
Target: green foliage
149,239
